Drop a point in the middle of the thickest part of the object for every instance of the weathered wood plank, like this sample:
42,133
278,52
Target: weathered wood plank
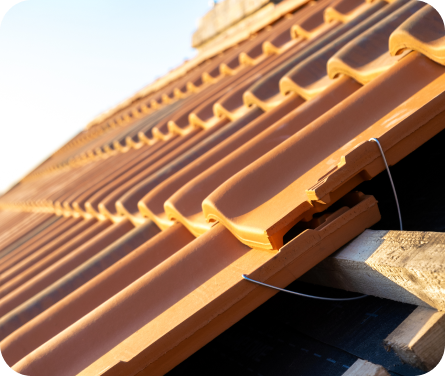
364,368
404,266
420,339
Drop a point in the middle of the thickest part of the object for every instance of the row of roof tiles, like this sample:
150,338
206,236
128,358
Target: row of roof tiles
232,58
101,270
167,156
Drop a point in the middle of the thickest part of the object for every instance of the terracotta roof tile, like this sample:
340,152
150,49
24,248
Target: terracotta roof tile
185,204
378,109
367,56
344,11
310,77
246,164
216,258
94,292
59,262
422,32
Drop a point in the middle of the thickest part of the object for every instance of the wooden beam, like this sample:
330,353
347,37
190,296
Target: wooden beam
420,339
399,265
364,368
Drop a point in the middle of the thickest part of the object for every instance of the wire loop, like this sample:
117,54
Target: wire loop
303,295
339,299
390,178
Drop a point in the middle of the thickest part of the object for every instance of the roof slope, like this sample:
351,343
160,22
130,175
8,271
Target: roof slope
124,252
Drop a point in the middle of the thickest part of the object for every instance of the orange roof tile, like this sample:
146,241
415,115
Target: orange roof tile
124,251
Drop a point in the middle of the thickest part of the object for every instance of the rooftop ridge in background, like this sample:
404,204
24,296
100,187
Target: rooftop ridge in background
124,252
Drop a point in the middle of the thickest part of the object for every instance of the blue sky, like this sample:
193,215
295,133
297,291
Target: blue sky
62,62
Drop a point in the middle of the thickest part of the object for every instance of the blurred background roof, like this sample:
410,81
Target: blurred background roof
63,62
